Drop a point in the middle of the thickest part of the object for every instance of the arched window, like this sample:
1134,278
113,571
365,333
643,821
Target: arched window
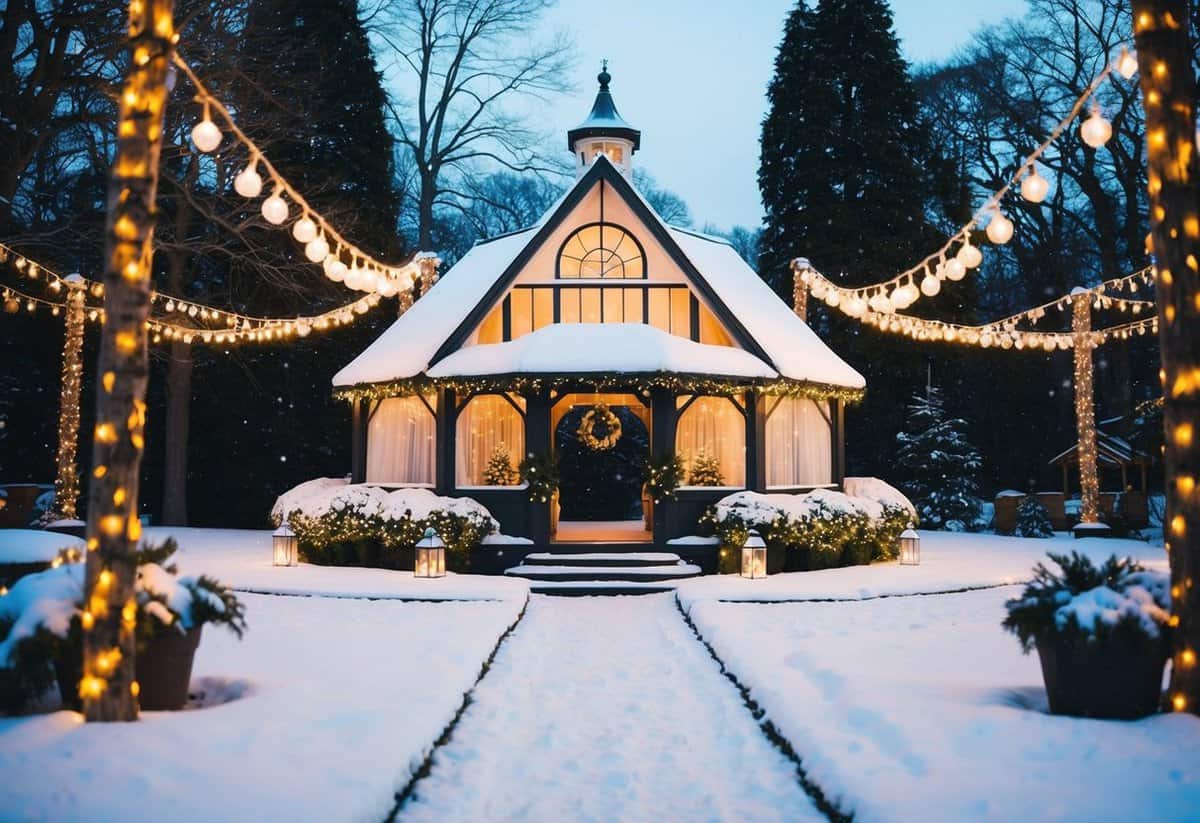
490,428
711,438
400,441
602,251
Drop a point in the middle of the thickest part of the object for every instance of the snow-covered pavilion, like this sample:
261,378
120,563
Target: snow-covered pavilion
599,302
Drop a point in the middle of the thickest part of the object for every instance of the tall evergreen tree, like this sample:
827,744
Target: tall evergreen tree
844,184
940,468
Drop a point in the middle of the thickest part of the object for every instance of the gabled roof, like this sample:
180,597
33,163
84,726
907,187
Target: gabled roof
440,322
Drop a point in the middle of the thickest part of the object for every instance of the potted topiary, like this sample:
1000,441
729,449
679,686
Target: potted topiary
1101,635
41,636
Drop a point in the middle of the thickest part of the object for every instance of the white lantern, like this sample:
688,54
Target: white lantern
1000,229
304,230
969,255
284,546
335,269
910,548
316,249
1127,64
832,298
954,269
1034,187
206,135
275,209
1095,131
430,556
930,285
754,556
248,183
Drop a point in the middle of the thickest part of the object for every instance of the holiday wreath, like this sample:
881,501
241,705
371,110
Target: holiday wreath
599,417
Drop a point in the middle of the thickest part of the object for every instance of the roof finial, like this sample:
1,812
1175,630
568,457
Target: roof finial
604,77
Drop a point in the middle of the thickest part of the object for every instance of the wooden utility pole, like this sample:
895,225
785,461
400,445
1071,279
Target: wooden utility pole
109,688
1164,52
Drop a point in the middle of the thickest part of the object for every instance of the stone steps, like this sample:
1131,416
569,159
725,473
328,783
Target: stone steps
602,572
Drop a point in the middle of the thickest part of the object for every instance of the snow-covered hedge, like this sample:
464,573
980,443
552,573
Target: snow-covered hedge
821,528
338,523
1119,602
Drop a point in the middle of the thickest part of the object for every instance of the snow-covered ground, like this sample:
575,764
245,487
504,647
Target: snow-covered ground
340,702
921,708
241,558
33,546
607,709
949,562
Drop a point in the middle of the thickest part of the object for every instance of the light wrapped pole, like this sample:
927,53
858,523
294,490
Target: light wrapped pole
109,688
1164,54
1085,405
66,481
800,267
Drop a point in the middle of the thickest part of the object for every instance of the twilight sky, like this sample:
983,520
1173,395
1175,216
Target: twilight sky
692,75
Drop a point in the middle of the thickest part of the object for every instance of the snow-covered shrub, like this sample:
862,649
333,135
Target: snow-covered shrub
1119,603
1032,519
40,617
343,524
819,529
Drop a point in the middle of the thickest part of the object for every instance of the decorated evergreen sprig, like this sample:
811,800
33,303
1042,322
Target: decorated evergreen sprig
540,471
663,475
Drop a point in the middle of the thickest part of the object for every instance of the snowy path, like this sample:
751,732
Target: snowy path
607,709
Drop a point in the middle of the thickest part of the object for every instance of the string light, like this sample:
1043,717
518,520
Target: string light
1034,187
1085,405
66,482
856,301
1096,130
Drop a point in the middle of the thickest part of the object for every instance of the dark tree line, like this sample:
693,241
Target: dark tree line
867,165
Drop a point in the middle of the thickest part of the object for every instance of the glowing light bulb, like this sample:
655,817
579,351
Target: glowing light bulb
971,256
930,285
1095,131
954,269
316,249
206,136
1000,229
1034,187
248,183
832,298
275,209
1127,64
335,269
304,230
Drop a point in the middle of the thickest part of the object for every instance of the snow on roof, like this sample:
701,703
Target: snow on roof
794,348
585,348
407,347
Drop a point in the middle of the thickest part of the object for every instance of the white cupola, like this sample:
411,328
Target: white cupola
604,132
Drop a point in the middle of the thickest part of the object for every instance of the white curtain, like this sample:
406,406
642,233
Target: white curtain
716,427
488,422
799,443
401,440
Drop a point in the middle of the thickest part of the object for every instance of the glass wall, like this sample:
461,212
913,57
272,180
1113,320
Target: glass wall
490,429
402,440
799,448
708,428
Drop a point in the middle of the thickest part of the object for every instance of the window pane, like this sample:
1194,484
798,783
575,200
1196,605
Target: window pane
799,443
400,442
491,330
633,305
543,307
713,427
711,330
591,305
488,426
681,313
522,312
569,305
614,306
660,308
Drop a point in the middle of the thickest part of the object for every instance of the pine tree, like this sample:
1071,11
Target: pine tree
845,178
1032,519
940,466
499,469
705,471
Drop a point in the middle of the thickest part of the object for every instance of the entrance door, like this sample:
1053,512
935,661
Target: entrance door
601,442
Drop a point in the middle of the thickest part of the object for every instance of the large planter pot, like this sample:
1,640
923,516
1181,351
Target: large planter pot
164,670
1101,681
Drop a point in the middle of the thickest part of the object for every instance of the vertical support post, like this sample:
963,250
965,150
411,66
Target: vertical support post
1085,405
109,688
756,441
66,481
663,420
446,425
839,442
800,269
360,415
538,440
1165,51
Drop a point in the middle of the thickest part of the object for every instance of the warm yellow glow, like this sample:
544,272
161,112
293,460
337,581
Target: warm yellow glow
111,525
1188,657
1184,432
106,433
99,471
126,342
1178,525
119,496
1185,484
105,579
87,620
134,532
109,379
135,688
1179,702
91,687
